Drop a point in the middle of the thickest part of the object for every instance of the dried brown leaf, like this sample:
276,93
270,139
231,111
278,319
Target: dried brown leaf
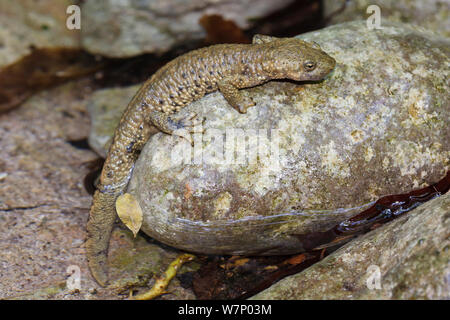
129,212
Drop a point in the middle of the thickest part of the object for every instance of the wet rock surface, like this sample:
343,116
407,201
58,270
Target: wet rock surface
378,125
411,256
432,14
128,28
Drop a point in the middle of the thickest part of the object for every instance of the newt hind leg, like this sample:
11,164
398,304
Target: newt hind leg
168,123
175,125
229,87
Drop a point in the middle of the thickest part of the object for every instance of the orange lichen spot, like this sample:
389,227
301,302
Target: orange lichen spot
187,191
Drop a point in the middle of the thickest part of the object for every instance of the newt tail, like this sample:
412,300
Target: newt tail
225,67
99,228
129,137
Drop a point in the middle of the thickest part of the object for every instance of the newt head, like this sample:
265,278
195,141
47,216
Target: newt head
298,60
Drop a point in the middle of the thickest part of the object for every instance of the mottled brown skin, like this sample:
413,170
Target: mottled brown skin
225,67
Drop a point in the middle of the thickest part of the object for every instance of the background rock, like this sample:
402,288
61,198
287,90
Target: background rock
431,14
128,28
378,125
40,24
412,254
105,109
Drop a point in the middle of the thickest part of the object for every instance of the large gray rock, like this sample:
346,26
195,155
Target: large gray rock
127,28
431,14
377,125
411,256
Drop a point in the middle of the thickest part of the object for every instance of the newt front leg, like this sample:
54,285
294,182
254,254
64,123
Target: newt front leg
229,87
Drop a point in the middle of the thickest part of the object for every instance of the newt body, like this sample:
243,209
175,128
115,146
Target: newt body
227,68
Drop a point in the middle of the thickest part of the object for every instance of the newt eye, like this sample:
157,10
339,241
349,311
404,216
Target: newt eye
309,66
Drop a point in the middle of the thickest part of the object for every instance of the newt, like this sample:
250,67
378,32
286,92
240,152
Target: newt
223,67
